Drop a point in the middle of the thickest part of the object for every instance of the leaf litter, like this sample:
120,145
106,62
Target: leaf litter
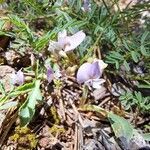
70,116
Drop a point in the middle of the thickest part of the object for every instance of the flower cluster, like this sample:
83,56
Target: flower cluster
88,73
65,44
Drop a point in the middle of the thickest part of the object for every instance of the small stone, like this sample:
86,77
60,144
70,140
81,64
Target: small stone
99,93
44,142
5,76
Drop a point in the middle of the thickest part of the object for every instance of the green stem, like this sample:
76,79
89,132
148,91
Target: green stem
106,7
91,49
84,95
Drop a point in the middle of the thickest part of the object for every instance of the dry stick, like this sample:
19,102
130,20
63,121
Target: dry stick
69,114
143,122
69,120
76,138
37,128
8,128
99,55
84,95
80,136
135,115
8,114
76,112
104,101
62,109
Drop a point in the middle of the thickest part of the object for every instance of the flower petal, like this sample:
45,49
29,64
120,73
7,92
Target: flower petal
50,74
84,72
17,78
96,83
63,42
74,40
13,78
53,46
86,6
57,72
20,77
95,71
62,34
66,43
101,63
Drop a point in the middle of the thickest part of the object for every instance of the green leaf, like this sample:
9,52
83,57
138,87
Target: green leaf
126,96
126,65
138,96
117,64
34,5
146,136
22,89
27,110
134,56
1,24
120,126
79,4
146,86
116,55
26,115
43,41
8,105
144,36
92,12
126,45
25,87
35,95
94,108
143,50
2,89
19,90
18,22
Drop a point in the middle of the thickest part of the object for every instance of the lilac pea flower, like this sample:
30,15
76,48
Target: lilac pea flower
18,78
69,43
86,6
90,73
66,43
50,74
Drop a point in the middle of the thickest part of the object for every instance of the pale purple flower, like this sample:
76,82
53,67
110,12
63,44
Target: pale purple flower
67,43
90,73
18,78
86,6
51,74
